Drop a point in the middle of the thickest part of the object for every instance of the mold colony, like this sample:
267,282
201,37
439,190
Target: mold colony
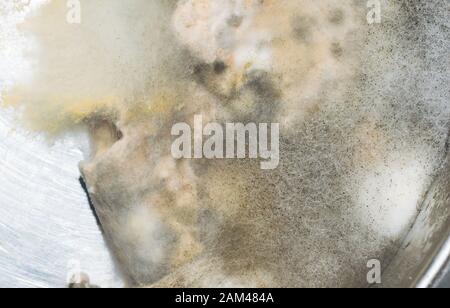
133,69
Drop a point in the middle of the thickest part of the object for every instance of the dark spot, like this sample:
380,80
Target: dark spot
200,72
210,77
336,50
235,21
337,17
119,134
219,67
302,28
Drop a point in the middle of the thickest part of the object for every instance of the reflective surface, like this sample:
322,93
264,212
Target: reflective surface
47,230
423,260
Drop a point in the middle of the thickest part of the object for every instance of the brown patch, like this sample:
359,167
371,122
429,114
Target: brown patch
302,27
337,50
337,17
235,21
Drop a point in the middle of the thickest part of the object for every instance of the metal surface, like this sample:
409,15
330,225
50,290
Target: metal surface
47,230
423,260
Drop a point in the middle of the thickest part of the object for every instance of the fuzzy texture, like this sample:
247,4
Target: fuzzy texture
363,110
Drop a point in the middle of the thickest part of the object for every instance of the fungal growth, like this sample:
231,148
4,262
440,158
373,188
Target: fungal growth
362,110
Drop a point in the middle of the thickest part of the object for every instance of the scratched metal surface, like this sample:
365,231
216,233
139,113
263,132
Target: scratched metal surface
47,229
